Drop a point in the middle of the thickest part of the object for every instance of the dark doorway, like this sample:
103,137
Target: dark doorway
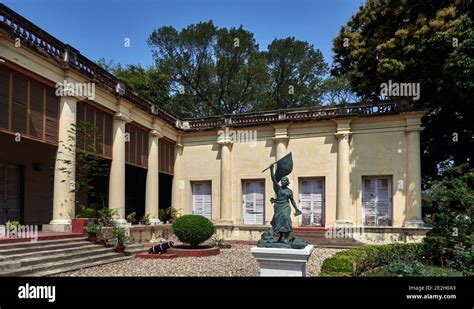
10,193
135,187
166,183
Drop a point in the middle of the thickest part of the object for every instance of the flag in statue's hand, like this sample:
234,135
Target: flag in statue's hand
284,167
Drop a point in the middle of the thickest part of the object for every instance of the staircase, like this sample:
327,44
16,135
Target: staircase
317,237
49,257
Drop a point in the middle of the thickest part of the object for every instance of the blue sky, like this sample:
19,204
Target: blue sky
98,28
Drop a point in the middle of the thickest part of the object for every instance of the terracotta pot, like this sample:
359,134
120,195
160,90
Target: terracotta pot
142,222
92,237
78,224
120,249
103,242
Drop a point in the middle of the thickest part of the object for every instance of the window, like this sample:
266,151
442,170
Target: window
312,201
202,199
254,201
377,201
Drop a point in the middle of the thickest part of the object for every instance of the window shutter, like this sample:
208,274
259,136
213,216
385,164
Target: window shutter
52,116
19,104
202,199
254,202
305,202
312,201
4,96
369,201
383,202
36,110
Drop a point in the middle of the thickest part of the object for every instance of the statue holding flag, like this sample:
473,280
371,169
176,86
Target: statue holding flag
281,221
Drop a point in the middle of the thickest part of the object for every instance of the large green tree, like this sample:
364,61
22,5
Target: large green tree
211,70
430,42
296,73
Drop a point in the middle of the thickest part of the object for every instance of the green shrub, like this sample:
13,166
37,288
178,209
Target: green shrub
193,229
92,228
86,213
403,268
463,260
356,261
106,216
120,235
433,248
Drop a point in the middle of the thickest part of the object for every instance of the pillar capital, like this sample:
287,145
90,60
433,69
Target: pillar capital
155,133
225,140
121,116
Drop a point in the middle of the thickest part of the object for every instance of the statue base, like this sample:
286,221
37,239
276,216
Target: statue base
282,262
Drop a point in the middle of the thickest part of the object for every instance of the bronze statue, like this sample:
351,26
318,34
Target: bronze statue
281,221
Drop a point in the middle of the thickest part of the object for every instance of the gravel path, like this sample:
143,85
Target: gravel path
236,261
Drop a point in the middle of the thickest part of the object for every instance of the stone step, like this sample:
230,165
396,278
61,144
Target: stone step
42,247
51,266
80,266
40,243
14,257
64,255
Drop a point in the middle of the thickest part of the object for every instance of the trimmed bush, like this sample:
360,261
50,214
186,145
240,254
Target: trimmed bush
193,229
433,246
356,261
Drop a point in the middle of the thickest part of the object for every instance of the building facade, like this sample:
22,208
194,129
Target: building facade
354,165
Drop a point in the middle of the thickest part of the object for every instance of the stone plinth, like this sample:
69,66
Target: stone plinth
280,262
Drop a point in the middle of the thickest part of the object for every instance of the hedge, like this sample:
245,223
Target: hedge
193,229
354,262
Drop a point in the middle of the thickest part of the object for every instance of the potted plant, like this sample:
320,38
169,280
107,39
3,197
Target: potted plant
82,219
173,214
92,229
120,235
131,217
145,220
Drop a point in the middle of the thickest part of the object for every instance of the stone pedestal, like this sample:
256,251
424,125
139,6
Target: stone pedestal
279,262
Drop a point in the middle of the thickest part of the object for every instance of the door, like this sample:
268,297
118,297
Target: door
312,201
202,198
10,193
377,201
254,201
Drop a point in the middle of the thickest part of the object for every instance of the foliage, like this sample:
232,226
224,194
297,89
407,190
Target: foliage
146,219
426,42
106,216
88,165
355,261
463,260
13,224
168,213
217,241
120,235
193,229
449,205
296,73
403,268
131,217
86,213
93,228
433,248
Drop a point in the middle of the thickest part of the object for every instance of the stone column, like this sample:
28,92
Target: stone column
343,211
117,168
413,185
281,140
226,178
152,177
64,170
178,182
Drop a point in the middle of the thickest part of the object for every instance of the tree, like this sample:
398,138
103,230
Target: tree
425,42
296,73
337,90
211,71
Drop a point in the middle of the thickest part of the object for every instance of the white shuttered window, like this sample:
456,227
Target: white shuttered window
254,201
312,202
202,198
377,201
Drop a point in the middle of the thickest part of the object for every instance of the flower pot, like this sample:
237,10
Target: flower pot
78,224
92,237
103,242
120,248
142,222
